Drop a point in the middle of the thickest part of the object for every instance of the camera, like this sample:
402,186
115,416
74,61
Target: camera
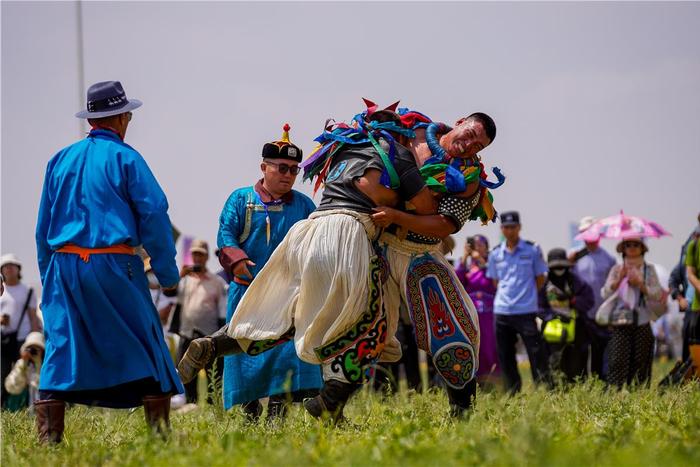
33,351
197,268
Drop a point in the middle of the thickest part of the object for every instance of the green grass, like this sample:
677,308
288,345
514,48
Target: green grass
584,425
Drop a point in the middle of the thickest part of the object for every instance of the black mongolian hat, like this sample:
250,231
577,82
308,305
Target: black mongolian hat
282,149
107,98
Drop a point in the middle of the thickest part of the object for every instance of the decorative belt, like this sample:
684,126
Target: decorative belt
122,249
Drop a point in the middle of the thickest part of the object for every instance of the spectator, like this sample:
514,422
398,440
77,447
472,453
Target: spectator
18,311
682,290
638,289
691,328
104,343
592,265
471,271
254,221
23,380
518,271
565,298
202,298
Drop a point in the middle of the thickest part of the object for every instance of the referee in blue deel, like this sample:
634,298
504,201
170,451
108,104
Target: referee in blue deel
518,271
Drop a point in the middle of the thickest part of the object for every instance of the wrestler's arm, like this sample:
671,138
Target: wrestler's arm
452,213
435,225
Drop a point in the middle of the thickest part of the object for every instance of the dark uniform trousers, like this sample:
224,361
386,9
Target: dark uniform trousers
508,327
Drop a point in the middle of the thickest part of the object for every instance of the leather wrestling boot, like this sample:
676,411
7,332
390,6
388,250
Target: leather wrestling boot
461,400
50,420
203,351
157,411
330,402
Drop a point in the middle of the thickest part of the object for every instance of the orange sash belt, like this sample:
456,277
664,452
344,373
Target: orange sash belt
85,253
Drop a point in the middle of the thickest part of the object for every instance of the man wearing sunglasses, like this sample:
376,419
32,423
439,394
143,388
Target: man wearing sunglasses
253,222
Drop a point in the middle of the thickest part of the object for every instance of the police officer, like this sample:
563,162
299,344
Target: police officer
518,271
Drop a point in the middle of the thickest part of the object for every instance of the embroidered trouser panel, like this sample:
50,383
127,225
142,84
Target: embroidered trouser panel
444,318
441,319
345,357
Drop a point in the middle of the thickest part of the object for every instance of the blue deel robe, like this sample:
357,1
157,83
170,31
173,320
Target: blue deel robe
278,370
100,324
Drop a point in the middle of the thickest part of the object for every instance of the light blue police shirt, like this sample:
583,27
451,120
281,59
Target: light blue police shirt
516,273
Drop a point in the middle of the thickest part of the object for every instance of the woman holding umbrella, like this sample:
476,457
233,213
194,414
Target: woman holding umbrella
633,297
638,290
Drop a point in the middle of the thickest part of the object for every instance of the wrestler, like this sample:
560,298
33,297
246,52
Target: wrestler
444,318
322,285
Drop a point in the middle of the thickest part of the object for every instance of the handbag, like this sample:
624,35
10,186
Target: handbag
9,340
604,312
617,309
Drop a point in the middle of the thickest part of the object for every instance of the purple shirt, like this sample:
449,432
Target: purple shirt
593,269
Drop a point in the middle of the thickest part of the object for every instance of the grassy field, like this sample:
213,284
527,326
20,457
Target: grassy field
584,425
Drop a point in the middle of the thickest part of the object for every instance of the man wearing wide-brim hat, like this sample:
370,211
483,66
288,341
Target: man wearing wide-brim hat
104,342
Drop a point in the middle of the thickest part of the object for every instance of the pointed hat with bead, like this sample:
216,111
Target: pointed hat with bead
283,148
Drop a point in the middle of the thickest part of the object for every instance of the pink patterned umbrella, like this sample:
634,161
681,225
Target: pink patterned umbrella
622,226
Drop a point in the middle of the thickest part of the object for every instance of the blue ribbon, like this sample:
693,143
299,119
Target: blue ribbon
439,154
493,185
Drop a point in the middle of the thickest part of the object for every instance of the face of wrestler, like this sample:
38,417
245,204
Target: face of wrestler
278,178
466,139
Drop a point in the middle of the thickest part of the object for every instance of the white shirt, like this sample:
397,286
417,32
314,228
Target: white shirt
203,302
11,304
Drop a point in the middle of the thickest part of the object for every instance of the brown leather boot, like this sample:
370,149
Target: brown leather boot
50,420
157,411
201,352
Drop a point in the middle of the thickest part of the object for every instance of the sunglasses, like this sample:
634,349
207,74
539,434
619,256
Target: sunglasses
284,168
632,245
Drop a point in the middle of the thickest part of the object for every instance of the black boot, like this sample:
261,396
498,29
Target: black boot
50,420
277,408
203,351
329,404
461,400
252,410
157,411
